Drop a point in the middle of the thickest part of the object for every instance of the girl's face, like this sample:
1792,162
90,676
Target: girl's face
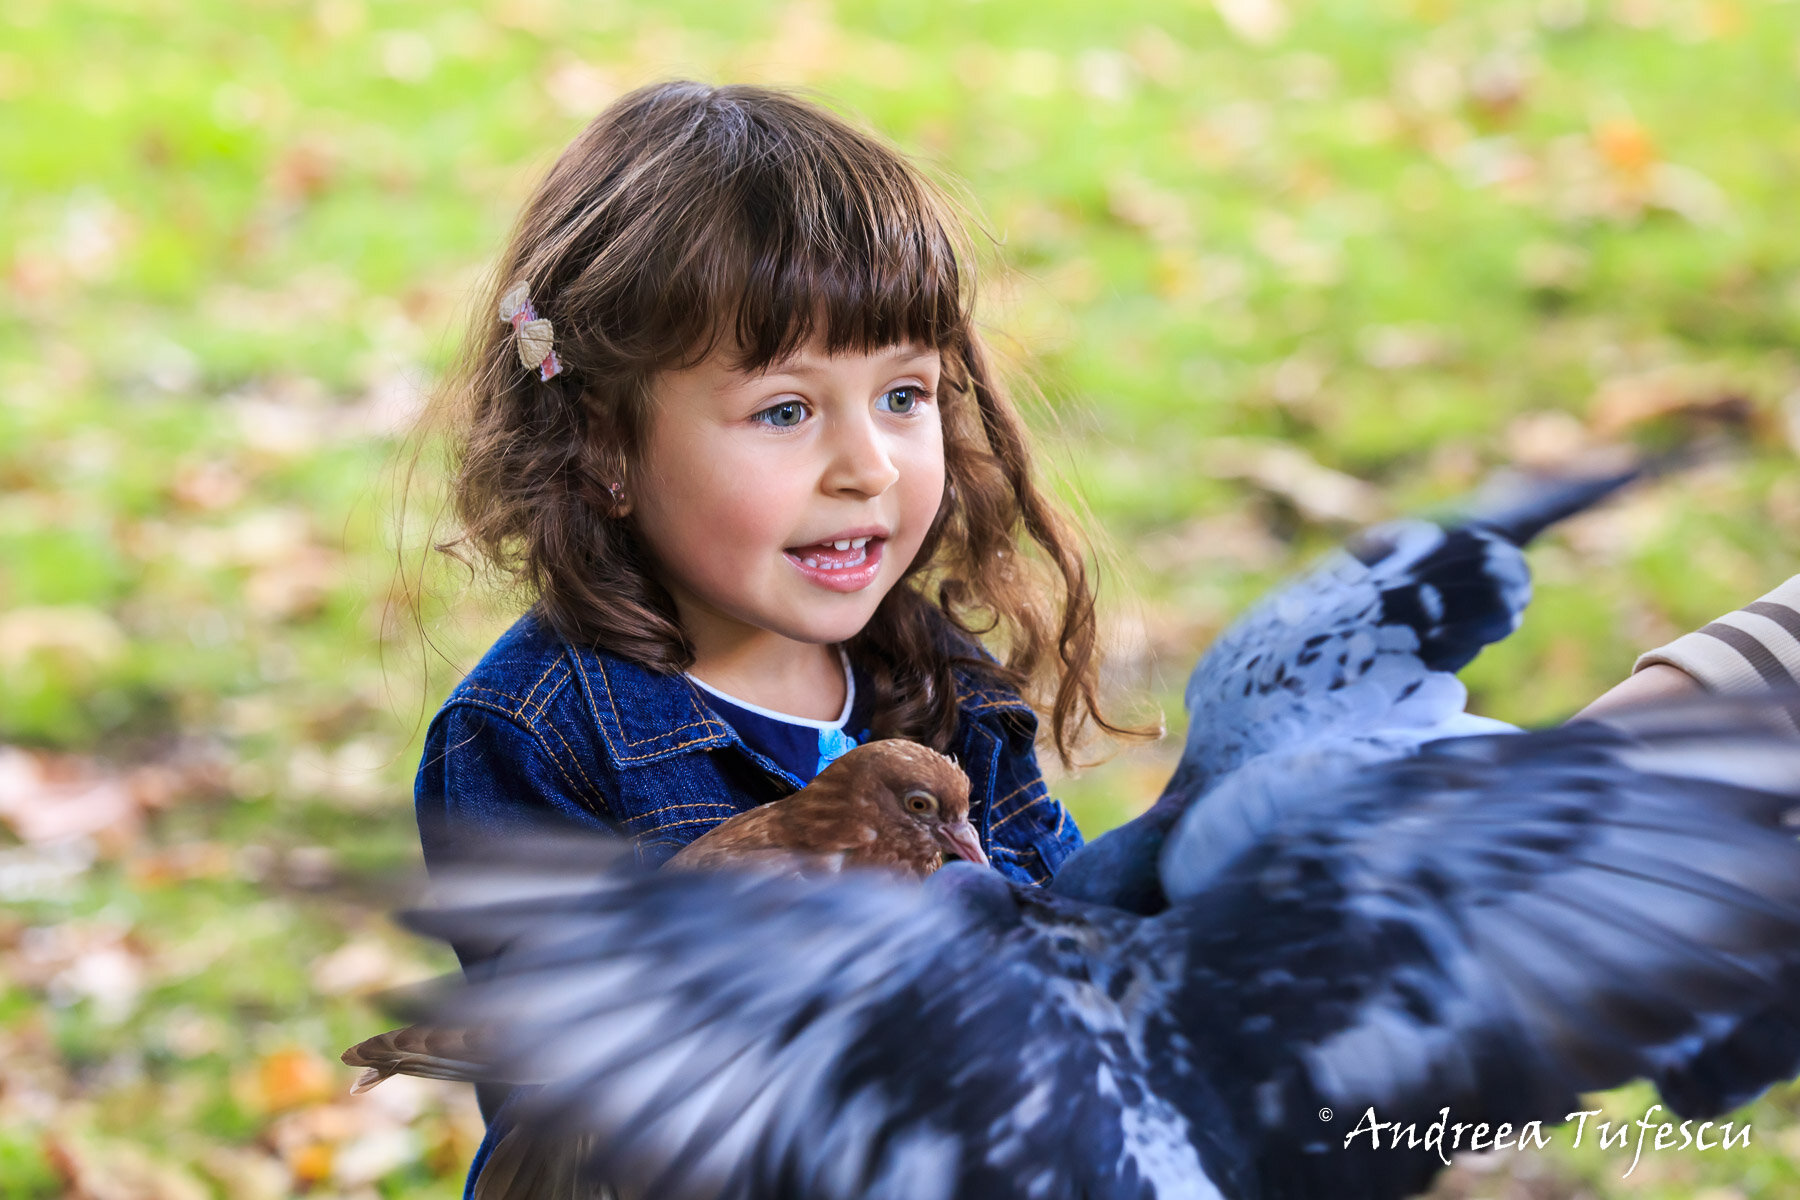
785,505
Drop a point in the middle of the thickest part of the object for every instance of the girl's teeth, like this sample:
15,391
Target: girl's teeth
843,545
816,565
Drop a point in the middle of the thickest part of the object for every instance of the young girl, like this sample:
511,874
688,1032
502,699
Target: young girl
728,418
730,421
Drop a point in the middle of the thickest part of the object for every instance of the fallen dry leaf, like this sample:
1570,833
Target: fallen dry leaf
1698,395
364,965
207,486
1258,22
50,798
96,961
94,1170
182,862
578,88
1160,213
1404,347
305,170
1548,439
286,1079
294,588
307,1138
48,872
245,1174
1320,493
47,798
82,639
377,1152
1626,147
1234,539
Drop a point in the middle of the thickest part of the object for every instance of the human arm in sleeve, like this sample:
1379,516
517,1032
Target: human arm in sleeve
1755,648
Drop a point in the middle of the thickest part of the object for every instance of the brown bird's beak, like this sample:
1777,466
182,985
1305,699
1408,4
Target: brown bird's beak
961,840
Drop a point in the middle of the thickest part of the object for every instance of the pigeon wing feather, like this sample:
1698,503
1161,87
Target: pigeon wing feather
728,1034
1354,661
1494,926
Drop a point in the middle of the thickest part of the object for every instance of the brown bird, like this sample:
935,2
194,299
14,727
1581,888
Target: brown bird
891,805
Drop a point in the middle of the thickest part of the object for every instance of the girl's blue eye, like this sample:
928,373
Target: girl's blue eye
904,399
783,416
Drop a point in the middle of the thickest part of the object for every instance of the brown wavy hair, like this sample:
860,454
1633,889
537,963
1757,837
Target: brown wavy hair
687,217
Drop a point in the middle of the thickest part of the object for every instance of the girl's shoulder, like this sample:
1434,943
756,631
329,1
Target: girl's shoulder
538,680
979,693
541,726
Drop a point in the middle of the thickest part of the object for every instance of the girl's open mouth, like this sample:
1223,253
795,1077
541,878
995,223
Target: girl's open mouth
842,566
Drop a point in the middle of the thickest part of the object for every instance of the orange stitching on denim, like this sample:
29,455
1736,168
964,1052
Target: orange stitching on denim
666,750
1023,808
691,804
1023,787
560,769
518,711
487,704
598,798
706,722
535,736
576,759
613,704
995,804
476,687
691,821
539,709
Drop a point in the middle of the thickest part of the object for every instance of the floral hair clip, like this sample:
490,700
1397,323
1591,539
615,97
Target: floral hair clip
535,334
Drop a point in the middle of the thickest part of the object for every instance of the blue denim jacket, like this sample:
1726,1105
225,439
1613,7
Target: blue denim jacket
543,730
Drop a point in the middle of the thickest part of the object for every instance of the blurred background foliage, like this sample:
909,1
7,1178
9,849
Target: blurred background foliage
1278,268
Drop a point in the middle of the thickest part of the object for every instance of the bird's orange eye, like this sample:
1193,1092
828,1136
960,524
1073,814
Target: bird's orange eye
921,801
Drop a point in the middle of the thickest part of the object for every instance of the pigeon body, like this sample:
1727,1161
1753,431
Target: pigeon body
891,805
1352,895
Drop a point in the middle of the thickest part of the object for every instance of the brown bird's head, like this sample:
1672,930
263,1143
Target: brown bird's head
919,795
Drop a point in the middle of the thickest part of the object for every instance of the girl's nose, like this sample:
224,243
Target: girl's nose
861,459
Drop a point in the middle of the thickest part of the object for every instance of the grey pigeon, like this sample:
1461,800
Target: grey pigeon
1489,923
1353,662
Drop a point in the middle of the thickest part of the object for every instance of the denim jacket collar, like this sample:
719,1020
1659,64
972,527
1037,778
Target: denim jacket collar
646,716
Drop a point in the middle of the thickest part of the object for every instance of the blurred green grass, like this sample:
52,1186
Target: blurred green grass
1412,240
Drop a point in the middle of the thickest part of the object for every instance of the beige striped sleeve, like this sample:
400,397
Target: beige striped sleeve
1755,648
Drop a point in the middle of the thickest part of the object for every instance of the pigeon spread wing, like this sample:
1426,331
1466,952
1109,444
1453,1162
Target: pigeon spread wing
1492,925
1355,661
1370,640
735,1035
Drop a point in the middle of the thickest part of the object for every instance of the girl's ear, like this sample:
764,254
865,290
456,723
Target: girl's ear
605,466
608,487
621,503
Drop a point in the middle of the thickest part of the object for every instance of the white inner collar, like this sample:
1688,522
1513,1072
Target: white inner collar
843,718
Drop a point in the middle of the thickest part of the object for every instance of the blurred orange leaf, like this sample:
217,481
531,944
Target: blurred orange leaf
290,1078
1626,146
